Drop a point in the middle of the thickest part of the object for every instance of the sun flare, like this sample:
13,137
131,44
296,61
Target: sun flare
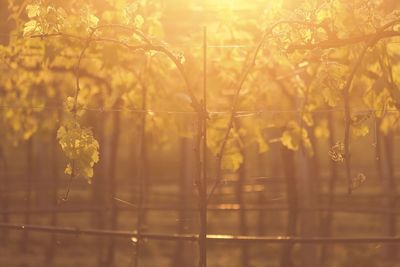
199,133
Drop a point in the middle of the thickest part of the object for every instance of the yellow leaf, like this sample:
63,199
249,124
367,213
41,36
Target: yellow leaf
138,21
262,144
290,141
92,21
321,131
33,10
389,122
232,161
359,130
308,119
294,136
68,169
331,96
30,28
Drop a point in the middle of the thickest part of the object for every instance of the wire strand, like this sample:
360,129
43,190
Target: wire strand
240,113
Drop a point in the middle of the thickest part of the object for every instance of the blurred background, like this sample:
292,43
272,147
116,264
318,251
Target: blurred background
283,170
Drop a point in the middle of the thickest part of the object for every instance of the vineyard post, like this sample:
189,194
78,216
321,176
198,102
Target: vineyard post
143,149
202,171
289,168
141,174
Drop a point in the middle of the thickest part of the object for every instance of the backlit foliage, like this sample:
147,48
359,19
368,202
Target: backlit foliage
115,49
80,148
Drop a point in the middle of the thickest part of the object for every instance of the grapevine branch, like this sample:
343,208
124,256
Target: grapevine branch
77,74
245,73
336,42
75,107
346,94
371,38
147,46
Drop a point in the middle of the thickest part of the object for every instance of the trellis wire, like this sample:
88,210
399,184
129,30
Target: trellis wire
193,238
240,113
179,45
229,208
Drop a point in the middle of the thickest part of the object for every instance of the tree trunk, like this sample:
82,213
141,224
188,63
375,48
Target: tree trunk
54,199
327,221
4,194
392,251
28,193
142,169
261,197
180,257
308,215
112,185
99,191
291,195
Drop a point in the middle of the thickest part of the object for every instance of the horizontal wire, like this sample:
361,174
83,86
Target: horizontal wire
240,113
212,208
193,237
183,45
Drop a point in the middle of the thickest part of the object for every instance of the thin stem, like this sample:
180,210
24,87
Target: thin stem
142,173
203,175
